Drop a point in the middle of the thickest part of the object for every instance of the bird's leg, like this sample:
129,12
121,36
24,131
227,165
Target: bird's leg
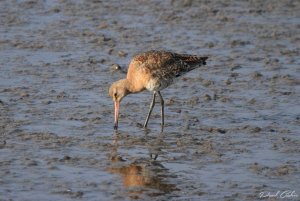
162,111
150,110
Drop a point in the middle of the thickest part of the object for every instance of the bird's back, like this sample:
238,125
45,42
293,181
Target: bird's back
160,68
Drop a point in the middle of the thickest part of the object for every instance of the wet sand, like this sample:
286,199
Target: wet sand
232,127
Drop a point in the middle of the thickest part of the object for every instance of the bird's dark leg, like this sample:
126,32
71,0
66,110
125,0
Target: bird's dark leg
150,110
162,111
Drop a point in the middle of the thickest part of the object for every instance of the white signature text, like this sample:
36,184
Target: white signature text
279,194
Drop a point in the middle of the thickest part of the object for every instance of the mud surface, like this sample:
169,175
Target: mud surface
232,127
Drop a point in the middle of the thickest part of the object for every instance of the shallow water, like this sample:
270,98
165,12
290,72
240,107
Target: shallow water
232,127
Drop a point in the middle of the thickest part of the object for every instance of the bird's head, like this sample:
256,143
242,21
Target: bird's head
117,91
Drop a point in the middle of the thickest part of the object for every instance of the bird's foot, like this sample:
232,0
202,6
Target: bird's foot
162,129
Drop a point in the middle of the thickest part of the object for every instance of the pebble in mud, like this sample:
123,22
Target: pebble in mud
207,97
66,158
219,130
32,163
228,82
222,131
234,75
170,101
239,43
255,130
24,95
252,101
72,194
235,67
46,102
256,75
224,99
62,95
116,67
207,83
259,169
193,101
122,54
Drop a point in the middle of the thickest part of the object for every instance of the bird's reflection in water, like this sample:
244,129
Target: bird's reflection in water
143,176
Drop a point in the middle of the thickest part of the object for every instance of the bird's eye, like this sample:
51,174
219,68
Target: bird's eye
115,95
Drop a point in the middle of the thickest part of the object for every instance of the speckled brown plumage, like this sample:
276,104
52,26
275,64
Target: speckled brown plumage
163,67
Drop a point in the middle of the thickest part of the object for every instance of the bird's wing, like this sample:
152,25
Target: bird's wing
167,65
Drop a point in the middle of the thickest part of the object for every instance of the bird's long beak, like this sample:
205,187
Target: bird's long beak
117,105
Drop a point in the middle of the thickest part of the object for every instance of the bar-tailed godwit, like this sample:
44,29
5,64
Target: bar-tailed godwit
154,71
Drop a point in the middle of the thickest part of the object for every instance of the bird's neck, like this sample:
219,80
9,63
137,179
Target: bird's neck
132,87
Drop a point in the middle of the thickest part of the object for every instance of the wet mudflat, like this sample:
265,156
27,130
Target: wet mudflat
232,127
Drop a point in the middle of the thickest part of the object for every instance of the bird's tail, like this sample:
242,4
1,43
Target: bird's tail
193,60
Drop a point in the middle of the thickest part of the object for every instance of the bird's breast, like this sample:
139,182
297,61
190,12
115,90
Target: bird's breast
157,84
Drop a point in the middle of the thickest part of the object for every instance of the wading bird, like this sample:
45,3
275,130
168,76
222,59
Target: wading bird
154,71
